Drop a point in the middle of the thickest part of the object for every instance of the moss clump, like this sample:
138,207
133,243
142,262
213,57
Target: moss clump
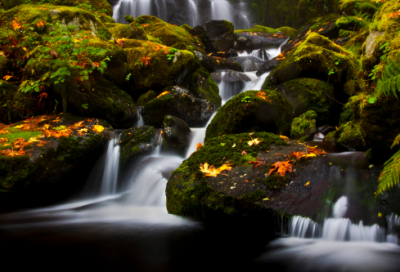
16,133
135,142
186,27
146,98
203,86
130,31
247,112
288,31
350,23
275,182
316,57
303,125
351,136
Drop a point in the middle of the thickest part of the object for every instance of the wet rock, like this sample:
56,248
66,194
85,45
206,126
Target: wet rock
348,135
103,100
233,82
268,66
49,167
248,63
309,94
130,31
217,35
370,43
194,111
257,40
213,64
137,142
177,134
203,86
248,112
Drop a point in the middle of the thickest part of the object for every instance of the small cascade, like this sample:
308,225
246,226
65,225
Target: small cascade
198,135
131,7
337,228
221,10
140,121
193,11
157,150
393,222
110,176
260,54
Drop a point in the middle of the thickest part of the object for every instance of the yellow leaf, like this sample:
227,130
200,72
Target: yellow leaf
309,155
20,126
308,183
284,137
379,214
233,145
98,128
266,198
255,141
211,171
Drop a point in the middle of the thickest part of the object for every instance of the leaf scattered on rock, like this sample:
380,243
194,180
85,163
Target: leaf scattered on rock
211,171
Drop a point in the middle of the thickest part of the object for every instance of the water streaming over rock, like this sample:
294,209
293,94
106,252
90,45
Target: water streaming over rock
140,121
111,168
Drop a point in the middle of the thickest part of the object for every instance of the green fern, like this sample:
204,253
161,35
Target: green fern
390,175
389,84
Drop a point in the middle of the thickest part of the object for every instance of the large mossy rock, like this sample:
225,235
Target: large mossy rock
15,105
121,31
309,94
304,125
288,31
102,100
213,64
315,57
348,135
160,71
217,35
248,112
137,142
245,190
194,111
46,157
257,40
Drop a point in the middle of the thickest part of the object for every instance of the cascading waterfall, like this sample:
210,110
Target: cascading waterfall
111,167
140,121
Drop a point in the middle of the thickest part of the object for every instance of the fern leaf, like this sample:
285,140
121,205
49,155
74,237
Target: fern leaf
396,141
390,175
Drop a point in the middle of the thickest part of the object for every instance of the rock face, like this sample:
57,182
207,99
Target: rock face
137,142
250,112
48,153
268,66
303,126
177,134
203,86
194,111
216,35
245,190
257,40
102,100
213,64
370,43
309,94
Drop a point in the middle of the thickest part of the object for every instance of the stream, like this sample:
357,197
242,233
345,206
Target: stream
114,226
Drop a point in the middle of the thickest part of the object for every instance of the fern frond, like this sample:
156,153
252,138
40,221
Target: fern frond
389,83
390,175
396,141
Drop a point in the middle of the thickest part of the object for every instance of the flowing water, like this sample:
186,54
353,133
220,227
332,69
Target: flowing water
191,12
107,227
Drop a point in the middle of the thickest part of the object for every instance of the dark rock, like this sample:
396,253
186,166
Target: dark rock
177,134
258,40
234,83
194,111
203,86
213,64
102,100
52,167
216,35
268,66
247,112
248,63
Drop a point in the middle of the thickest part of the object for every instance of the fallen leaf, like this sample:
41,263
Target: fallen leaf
281,167
198,146
211,171
308,183
284,137
244,152
254,141
257,163
97,128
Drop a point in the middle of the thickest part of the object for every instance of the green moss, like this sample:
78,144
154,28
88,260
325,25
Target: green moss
303,125
288,31
350,135
130,31
168,121
275,182
350,23
247,112
146,97
203,86
186,27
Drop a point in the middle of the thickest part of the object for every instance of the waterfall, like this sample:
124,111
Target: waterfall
193,11
140,121
157,150
111,167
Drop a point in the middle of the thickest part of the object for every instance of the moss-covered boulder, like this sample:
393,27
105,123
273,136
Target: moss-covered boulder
177,134
203,86
137,142
46,157
217,35
121,31
349,135
245,190
194,111
102,99
315,57
15,105
288,31
252,111
309,94
304,125
146,97
257,40
156,66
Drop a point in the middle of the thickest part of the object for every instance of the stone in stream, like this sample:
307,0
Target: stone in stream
248,63
268,66
303,126
251,41
249,112
177,134
47,158
213,64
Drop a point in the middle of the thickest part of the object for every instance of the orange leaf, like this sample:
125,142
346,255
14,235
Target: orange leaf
263,95
16,25
211,171
281,167
257,163
163,93
198,146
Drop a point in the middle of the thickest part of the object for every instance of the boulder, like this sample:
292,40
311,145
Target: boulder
194,111
248,63
252,111
216,35
177,134
233,83
146,97
45,158
257,40
306,94
102,100
130,31
203,86
268,66
213,64
348,135
137,142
